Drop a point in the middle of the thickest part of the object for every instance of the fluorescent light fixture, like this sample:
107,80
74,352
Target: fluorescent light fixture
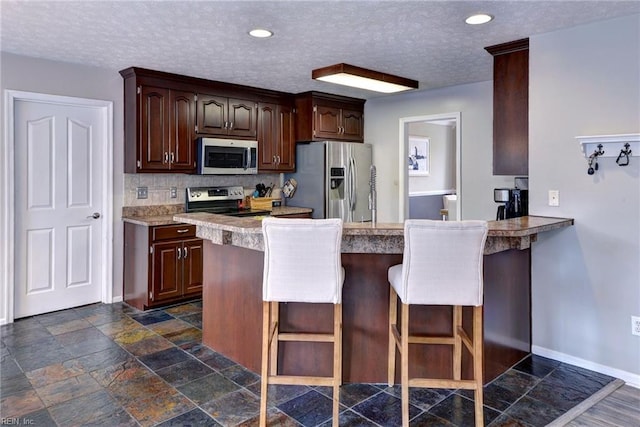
479,18
362,78
260,33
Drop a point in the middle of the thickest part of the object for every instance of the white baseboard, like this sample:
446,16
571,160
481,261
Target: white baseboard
116,299
628,377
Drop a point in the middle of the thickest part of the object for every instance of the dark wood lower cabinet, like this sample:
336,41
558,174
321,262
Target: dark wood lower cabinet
232,299
162,265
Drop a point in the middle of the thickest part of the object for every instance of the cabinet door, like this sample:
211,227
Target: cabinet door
166,271
243,116
192,251
267,136
212,115
511,113
286,139
326,122
352,125
182,125
154,132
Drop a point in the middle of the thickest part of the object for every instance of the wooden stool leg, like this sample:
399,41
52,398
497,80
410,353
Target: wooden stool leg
266,329
404,362
337,361
393,323
275,320
457,343
477,364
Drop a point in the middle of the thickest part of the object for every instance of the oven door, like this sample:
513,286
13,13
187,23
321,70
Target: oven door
227,157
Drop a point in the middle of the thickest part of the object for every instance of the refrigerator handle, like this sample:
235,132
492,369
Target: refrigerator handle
352,184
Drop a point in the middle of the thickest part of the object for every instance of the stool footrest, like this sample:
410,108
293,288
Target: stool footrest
301,380
443,383
431,340
417,339
309,337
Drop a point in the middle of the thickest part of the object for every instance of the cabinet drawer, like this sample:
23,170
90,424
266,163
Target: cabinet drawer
165,232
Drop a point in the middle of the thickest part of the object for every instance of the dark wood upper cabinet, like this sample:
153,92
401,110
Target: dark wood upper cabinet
154,130
321,116
165,113
182,131
212,114
223,116
510,107
276,137
159,125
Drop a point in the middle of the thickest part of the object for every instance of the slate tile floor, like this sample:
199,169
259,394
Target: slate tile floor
112,365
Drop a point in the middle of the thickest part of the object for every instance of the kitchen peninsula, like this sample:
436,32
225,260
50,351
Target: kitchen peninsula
232,299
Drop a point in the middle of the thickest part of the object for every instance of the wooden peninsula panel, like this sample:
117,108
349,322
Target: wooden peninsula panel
232,299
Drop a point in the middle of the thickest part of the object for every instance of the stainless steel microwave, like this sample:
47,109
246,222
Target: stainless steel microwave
217,156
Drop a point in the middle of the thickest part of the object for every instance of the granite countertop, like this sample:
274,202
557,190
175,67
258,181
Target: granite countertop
515,233
150,216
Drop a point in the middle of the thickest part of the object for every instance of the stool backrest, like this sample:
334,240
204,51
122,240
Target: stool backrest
302,260
442,262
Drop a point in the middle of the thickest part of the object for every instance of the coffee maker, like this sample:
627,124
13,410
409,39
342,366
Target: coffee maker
514,202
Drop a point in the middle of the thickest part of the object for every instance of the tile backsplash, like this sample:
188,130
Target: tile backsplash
159,185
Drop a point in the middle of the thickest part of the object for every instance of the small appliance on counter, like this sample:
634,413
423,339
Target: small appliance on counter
514,201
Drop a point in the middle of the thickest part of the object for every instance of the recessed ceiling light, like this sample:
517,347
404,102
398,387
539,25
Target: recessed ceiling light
260,33
479,18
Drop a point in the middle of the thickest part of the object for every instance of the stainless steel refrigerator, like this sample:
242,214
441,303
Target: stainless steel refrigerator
333,179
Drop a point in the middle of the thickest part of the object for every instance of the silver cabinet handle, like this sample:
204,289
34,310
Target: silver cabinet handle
183,230
186,252
230,125
166,157
179,253
278,159
95,215
172,157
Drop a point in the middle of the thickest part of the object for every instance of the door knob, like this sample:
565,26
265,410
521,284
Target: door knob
95,215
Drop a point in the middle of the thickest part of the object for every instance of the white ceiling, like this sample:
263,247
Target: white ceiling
426,41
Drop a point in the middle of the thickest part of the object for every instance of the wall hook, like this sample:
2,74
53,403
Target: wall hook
623,157
593,160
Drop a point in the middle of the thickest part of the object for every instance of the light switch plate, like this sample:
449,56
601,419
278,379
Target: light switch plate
554,198
173,192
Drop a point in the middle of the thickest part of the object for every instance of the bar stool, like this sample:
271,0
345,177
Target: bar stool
301,264
441,265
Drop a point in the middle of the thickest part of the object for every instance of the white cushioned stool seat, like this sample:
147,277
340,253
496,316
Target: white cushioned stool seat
441,265
302,263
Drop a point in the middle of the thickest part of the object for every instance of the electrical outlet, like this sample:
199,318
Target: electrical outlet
554,198
143,192
635,325
173,192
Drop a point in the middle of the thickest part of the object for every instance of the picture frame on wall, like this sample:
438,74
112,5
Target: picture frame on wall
419,157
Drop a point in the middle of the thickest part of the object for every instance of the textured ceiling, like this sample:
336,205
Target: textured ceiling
426,41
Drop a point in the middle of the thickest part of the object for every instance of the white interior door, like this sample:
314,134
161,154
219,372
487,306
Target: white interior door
58,206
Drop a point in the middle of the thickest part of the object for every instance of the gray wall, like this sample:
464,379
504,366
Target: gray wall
474,102
442,163
586,280
58,78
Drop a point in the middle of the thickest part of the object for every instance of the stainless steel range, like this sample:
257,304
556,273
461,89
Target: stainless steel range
219,200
